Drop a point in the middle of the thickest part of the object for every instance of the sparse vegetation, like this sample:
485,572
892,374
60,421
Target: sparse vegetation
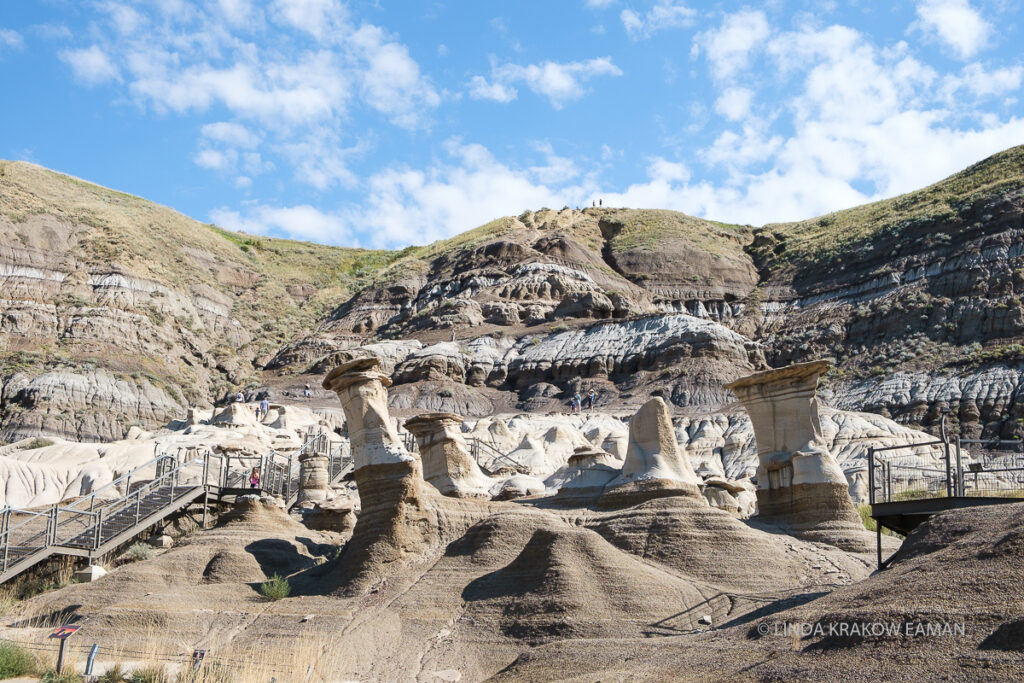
137,552
152,673
275,588
38,442
66,676
115,673
16,661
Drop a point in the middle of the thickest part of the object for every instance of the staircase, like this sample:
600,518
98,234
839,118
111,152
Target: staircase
114,514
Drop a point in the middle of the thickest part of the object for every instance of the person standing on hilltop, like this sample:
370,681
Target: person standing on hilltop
591,399
307,392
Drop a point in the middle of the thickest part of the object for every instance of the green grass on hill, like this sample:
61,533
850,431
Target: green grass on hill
824,237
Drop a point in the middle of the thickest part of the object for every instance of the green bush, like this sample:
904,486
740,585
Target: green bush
16,661
275,588
114,674
154,673
138,551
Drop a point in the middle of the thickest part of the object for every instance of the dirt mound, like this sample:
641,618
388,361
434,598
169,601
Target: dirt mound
958,574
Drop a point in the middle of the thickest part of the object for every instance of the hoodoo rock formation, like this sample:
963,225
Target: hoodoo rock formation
654,466
446,462
799,483
395,522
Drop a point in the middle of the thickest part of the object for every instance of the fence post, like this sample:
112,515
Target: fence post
888,481
89,663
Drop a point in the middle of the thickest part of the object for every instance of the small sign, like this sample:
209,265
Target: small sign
65,631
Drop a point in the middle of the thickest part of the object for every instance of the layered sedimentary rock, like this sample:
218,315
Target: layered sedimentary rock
799,483
447,463
654,464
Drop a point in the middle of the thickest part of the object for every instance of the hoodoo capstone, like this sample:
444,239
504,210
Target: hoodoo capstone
799,482
447,463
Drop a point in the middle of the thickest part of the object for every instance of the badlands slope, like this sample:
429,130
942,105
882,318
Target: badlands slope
918,298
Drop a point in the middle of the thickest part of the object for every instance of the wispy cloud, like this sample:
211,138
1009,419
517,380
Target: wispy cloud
560,82
665,14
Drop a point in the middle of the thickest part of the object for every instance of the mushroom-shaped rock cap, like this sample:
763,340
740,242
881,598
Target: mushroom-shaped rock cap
353,371
790,372
428,422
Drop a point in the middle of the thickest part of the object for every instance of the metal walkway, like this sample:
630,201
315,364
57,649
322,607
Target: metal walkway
907,488
114,514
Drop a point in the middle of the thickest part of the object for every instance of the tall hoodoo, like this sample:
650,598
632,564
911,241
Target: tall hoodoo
799,482
396,522
447,463
655,466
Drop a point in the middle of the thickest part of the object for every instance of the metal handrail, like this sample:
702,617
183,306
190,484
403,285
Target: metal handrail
477,445
90,522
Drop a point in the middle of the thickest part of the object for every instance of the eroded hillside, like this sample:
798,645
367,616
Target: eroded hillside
918,299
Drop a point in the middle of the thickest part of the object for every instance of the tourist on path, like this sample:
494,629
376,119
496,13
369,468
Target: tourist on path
254,478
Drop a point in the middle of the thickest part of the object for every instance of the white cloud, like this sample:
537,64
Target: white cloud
216,159
980,82
955,23
480,89
734,103
298,222
665,14
559,82
729,46
91,65
599,4
392,83
234,134
11,38
319,18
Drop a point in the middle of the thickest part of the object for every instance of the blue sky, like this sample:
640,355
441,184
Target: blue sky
382,124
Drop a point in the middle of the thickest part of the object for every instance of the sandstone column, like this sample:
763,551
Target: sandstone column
313,477
655,466
447,463
395,522
799,482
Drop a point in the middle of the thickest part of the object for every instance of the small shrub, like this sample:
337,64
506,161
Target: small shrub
137,551
114,674
38,442
275,588
154,673
16,661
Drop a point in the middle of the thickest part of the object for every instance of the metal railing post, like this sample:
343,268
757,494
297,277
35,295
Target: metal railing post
959,470
871,475
98,537
138,506
945,447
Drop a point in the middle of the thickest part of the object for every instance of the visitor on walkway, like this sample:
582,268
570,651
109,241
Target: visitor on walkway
307,392
591,399
264,409
239,397
254,478
577,401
